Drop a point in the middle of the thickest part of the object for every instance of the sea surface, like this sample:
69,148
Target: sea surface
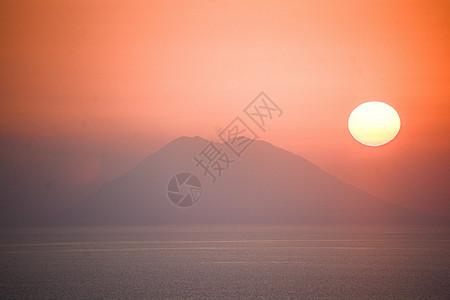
217,262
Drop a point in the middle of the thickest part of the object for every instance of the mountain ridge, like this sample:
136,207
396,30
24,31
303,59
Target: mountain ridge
266,185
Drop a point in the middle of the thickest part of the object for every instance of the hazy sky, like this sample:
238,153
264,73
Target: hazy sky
89,88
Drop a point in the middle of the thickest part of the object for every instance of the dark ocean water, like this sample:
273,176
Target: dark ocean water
282,262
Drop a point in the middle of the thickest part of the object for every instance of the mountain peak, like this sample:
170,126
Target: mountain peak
266,185
186,139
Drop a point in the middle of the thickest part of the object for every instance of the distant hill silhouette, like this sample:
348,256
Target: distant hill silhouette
267,185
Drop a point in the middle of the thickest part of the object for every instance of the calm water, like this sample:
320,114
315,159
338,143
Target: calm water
226,262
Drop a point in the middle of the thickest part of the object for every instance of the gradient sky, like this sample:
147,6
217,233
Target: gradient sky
89,88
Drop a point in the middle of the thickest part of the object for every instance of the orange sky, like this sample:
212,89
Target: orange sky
104,83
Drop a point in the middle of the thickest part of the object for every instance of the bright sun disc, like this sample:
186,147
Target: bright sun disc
374,123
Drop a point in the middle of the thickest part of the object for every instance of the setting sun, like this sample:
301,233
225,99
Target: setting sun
374,123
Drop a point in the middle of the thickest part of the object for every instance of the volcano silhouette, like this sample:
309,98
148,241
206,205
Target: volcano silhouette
266,185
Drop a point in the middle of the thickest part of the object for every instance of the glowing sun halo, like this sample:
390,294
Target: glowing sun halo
374,123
